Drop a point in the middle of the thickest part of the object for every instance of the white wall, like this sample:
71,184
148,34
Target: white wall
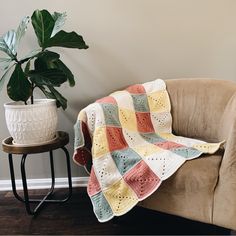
130,41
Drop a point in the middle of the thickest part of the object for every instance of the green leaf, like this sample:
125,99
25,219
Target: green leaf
61,101
46,93
40,65
49,56
43,24
27,68
54,94
21,30
8,42
18,87
2,80
46,60
5,63
61,66
59,19
49,77
67,40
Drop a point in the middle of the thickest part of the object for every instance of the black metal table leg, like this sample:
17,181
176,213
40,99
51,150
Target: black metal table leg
52,174
13,182
40,202
25,188
68,174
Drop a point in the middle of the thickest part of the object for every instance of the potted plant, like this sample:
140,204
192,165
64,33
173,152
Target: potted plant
29,120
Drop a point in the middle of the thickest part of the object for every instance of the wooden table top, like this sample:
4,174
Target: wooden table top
62,138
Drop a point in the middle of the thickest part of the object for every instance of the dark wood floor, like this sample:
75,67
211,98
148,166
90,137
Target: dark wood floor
76,217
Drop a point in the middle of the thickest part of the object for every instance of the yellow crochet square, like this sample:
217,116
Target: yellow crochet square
146,150
120,197
208,147
100,145
128,119
159,101
168,136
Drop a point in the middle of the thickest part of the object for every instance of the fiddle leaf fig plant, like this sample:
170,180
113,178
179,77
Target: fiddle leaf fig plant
41,68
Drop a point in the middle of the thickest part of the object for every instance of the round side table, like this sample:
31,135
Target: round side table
60,142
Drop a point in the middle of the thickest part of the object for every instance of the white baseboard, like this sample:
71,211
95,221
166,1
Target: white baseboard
5,185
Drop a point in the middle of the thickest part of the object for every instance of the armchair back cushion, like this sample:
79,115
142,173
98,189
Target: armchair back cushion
198,105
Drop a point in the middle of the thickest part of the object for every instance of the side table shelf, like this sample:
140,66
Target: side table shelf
59,143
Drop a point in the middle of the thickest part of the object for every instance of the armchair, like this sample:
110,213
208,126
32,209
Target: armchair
203,189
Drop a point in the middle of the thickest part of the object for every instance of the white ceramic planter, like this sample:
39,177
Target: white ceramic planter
32,124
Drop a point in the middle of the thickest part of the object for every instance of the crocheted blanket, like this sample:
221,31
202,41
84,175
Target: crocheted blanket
133,148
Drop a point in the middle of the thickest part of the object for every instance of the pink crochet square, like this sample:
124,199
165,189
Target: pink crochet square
144,122
108,99
136,89
115,138
93,185
168,145
142,180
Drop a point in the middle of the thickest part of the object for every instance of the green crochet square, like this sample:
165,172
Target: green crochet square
111,114
79,138
152,137
140,102
101,207
186,152
125,159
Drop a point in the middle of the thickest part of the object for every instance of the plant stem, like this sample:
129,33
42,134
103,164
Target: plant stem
32,94
15,58
32,99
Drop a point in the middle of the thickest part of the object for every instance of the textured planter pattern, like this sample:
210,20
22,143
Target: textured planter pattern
32,124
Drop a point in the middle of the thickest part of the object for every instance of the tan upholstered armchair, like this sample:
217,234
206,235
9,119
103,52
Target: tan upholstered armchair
203,189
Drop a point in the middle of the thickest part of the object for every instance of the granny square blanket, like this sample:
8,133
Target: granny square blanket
132,147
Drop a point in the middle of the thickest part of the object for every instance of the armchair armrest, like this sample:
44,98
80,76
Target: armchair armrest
224,205
227,131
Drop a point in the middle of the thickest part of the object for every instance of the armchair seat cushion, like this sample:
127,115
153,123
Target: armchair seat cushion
190,191
195,176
